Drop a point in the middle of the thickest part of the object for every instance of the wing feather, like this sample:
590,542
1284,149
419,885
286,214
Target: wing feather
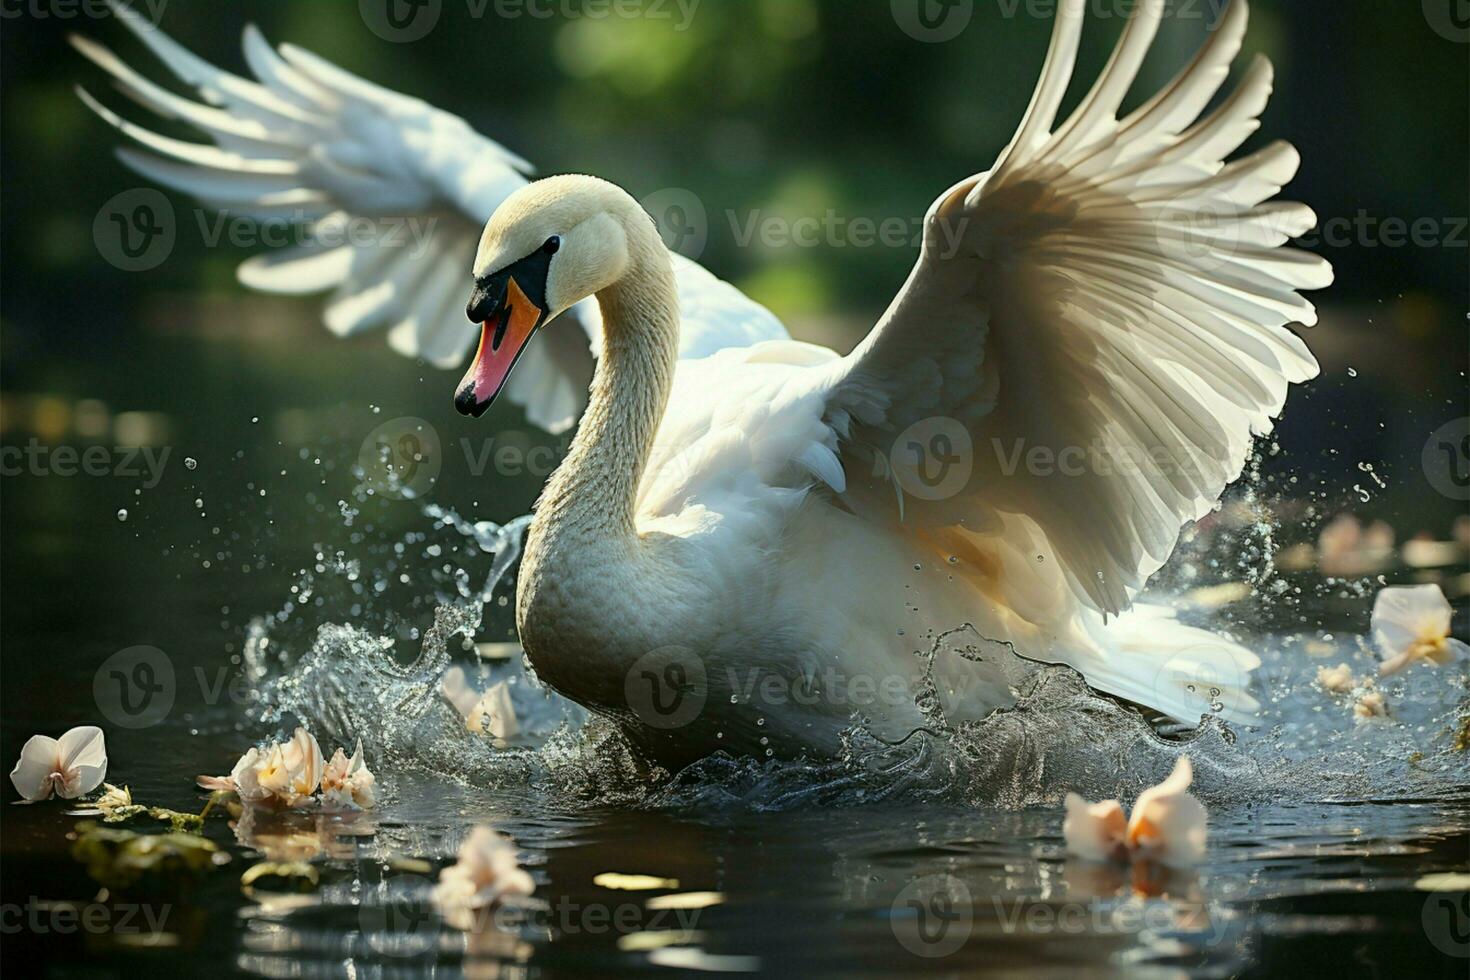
308,143
1122,291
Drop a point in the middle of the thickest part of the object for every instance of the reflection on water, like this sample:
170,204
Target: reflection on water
941,853
282,590
882,888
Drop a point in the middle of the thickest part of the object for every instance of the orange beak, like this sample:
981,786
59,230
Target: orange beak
503,337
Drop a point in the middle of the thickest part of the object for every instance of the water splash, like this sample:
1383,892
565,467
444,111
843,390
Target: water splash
381,683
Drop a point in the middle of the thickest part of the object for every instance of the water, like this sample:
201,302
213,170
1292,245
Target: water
941,853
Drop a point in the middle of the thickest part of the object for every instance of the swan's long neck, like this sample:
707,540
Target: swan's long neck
588,504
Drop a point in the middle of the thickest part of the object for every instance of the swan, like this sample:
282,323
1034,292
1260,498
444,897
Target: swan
744,546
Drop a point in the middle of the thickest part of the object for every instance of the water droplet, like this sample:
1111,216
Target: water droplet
954,559
122,513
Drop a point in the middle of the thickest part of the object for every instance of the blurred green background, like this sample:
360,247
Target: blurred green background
783,107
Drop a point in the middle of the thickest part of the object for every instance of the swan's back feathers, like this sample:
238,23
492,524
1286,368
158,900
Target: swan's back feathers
1110,331
392,194
745,431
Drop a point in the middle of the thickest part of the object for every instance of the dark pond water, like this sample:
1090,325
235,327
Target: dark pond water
938,856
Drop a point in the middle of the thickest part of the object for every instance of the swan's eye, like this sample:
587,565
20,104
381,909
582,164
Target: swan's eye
552,245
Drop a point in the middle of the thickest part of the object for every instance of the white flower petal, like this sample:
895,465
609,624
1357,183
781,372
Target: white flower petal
83,746
1168,825
363,785
81,780
485,870
304,764
39,758
1406,618
1094,831
495,713
457,691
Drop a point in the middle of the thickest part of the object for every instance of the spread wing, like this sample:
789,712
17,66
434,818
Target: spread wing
392,194
1102,317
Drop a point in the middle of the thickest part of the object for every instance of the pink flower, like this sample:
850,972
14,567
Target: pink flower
1096,831
1167,825
280,774
70,766
348,782
491,713
485,872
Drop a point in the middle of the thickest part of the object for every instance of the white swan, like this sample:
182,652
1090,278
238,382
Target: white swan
1110,294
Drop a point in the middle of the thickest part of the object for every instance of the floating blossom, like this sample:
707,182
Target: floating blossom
1167,826
348,782
1337,680
485,872
114,797
491,713
277,775
1411,623
116,804
70,766
1096,831
1370,707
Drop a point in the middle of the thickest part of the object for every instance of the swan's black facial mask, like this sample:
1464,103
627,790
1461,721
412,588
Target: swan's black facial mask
509,305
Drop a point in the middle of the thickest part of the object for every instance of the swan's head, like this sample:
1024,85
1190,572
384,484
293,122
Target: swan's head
549,245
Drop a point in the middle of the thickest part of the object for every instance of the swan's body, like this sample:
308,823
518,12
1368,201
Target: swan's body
751,519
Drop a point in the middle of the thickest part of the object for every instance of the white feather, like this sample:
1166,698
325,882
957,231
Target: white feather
311,143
